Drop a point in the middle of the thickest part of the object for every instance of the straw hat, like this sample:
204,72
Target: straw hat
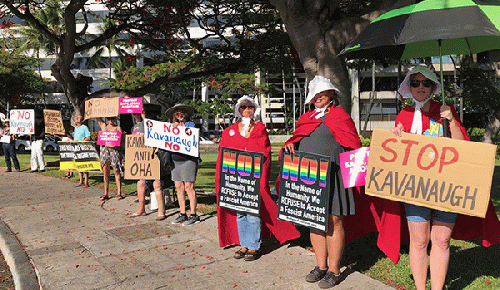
188,110
404,88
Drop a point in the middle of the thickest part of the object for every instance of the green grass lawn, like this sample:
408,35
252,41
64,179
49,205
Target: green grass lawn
471,265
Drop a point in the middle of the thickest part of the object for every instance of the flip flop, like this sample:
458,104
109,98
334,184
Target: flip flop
120,197
104,197
160,217
78,185
133,215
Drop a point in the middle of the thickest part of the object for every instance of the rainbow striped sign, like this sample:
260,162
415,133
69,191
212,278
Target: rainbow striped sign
240,177
304,189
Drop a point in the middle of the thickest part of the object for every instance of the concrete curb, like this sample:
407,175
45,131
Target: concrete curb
21,268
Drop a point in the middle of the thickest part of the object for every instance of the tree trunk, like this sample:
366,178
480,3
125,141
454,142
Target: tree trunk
319,32
492,129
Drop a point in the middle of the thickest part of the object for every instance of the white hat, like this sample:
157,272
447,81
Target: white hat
319,84
404,88
240,102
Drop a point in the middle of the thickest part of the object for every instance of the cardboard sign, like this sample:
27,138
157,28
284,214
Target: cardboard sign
353,166
109,138
22,122
140,162
53,122
240,176
129,105
5,139
305,189
439,173
79,155
179,139
101,107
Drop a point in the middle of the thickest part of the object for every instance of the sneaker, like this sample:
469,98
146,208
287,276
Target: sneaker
42,170
315,275
180,219
329,280
193,219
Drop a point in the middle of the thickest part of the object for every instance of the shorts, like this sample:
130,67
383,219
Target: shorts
415,213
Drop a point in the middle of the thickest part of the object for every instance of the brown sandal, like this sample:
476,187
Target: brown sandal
240,254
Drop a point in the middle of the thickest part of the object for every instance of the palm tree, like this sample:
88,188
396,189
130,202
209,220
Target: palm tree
113,44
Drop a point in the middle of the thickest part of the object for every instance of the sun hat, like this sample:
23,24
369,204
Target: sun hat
317,85
188,110
404,88
240,102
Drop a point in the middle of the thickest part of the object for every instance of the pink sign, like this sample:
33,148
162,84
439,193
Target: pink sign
109,138
353,166
130,105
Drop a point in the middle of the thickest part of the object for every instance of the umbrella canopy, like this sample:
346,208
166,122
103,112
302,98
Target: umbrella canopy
414,31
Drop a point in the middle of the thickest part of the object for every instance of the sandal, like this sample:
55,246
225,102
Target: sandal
240,254
104,197
133,215
251,256
120,196
160,217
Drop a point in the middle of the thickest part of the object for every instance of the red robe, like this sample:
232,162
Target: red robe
343,129
228,227
391,218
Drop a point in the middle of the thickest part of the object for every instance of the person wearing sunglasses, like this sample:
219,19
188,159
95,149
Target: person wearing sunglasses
238,228
424,118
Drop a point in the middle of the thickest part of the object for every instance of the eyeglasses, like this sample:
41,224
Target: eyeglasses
416,83
243,107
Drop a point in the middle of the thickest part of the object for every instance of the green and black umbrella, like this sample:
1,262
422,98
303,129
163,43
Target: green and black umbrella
430,28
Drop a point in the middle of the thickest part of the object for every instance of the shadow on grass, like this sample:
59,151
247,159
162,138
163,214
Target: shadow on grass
468,265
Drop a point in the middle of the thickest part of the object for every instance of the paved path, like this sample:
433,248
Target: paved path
76,242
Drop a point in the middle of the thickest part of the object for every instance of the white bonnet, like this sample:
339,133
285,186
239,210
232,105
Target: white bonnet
317,85
240,102
404,88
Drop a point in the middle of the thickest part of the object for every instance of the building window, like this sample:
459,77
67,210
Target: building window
380,111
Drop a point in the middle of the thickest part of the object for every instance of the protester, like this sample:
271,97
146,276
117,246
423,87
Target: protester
142,184
239,228
184,168
8,148
81,133
37,139
111,157
420,84
332,127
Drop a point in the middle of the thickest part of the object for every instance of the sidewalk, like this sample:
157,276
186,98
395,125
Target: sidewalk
76,242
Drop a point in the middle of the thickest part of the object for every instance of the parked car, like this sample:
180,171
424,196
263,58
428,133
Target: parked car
23,143
205,140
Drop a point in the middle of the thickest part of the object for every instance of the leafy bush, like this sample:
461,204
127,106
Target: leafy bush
365,142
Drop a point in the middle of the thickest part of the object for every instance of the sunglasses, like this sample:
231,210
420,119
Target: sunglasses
426,83
243,107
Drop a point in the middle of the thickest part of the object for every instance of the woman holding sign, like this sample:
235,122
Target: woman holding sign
185,168
111,157
242,229
8,147
334,129
424,118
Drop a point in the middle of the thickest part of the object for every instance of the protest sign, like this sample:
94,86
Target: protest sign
440,173
353,166
240,176
178,139
79,155
53,122
304,189
129,105
101,107
5,139
109,138
140,161
22,122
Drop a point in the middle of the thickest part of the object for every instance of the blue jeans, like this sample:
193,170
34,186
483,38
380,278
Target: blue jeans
249,229
8,151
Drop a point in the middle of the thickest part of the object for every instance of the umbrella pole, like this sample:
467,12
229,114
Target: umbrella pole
445,122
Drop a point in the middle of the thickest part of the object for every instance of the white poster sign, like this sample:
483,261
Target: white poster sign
22,122
179,139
